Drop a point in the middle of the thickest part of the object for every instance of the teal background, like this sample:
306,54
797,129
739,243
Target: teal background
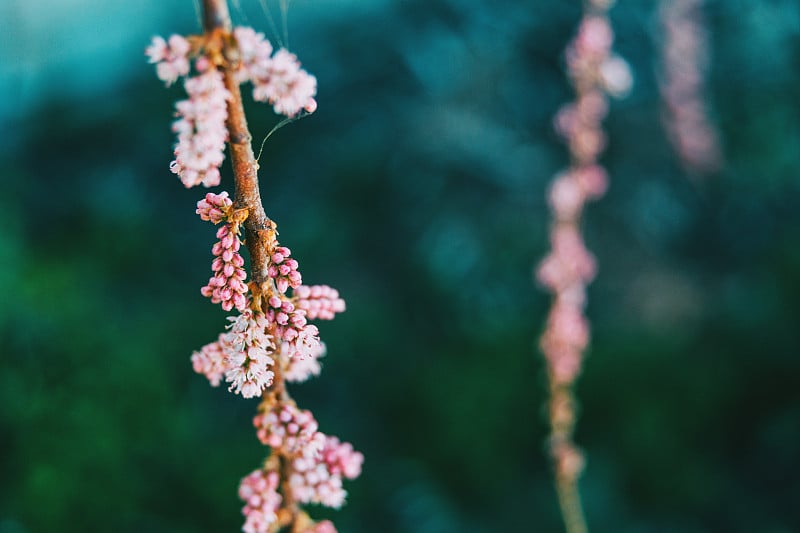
417,189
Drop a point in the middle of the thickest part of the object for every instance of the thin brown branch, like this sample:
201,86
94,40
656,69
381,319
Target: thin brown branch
259,230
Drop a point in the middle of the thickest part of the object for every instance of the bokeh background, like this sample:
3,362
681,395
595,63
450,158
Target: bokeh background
417,189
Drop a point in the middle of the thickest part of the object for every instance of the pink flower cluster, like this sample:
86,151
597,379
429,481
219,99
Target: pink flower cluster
227,286
570,190
210,361
248,349
171,58
298,343
243,355
319,479
569,266
214,208
259,491
597,72
201,127
300,369
319,301
684,62
590,60
276,79
289,429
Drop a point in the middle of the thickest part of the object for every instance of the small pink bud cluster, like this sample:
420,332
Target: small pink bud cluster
597,72
591,61
259,491
201,127
319,479
290,430
341,458
569,266
319,301
565,338
570,190
171,57
283,270
214,208
684,64
276,79
227,286
210,361
579,124
248,348
291,326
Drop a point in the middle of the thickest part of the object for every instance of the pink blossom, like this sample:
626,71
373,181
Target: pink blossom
279,79
254,51
616,76
570,190
569,263
564,340
214,207
306,344
201,128
283,270
227,286
248,348
341,458
593,179
319,301
319,479
289,430
285,85
210,361
594,37
259,491
301,369
171,58
566,196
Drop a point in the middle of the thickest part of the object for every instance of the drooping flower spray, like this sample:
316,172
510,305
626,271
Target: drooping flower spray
269,341
596,73
684,62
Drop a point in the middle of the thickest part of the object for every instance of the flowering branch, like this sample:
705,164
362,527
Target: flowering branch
595,72
684,61
270,341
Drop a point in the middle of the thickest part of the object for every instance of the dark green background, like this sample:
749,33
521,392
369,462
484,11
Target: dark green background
417,189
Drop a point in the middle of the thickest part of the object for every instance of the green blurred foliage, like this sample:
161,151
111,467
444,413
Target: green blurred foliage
417,190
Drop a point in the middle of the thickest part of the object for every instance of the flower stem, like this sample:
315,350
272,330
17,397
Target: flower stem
569,499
